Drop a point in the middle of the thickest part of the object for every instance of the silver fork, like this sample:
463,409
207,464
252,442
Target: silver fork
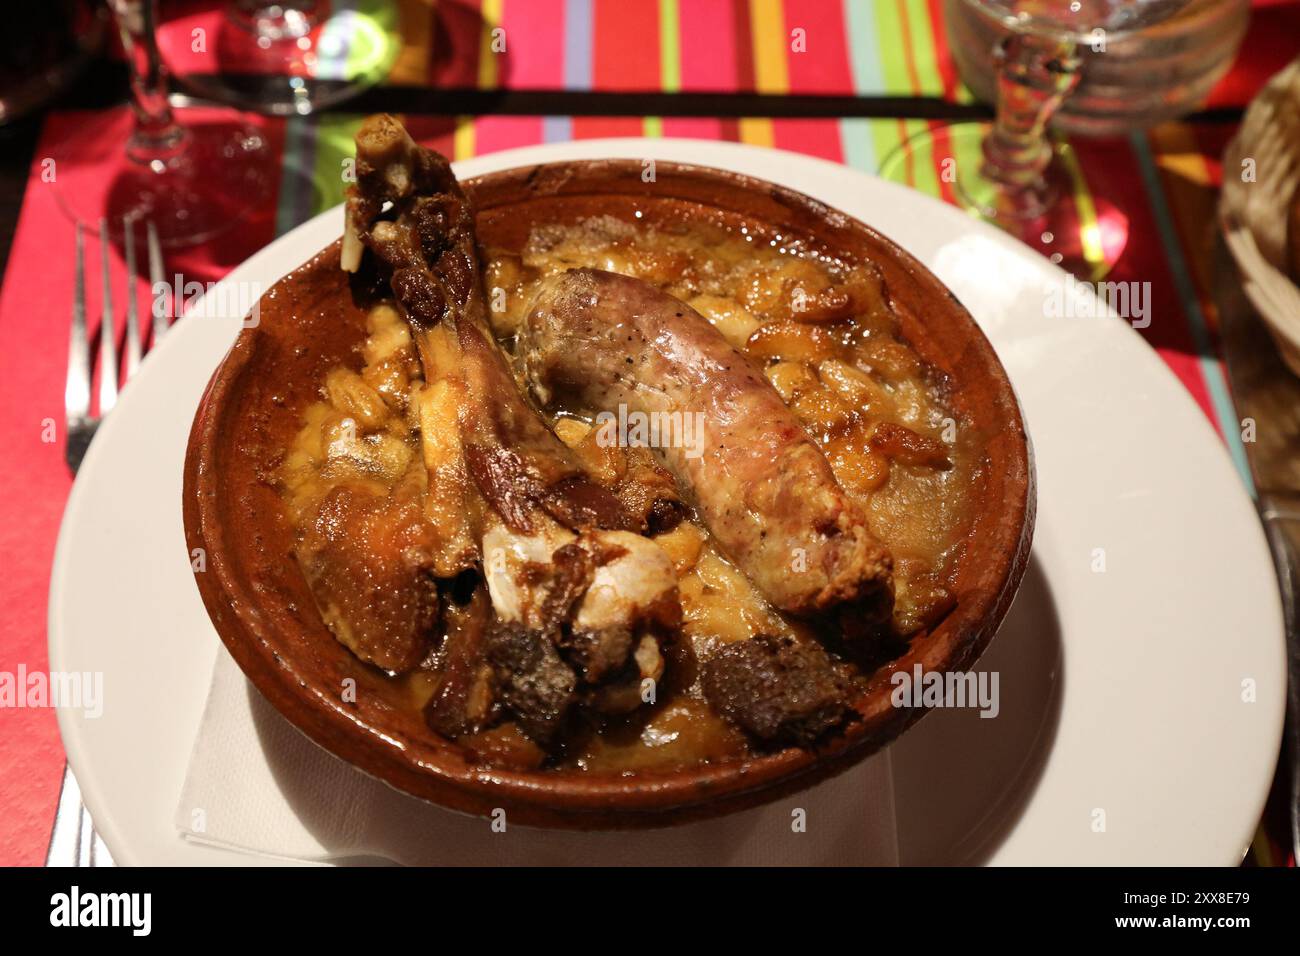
73,840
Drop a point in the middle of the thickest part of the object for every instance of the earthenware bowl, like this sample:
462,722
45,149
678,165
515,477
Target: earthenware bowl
264,612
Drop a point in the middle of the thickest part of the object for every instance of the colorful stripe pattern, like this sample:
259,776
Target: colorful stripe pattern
732,45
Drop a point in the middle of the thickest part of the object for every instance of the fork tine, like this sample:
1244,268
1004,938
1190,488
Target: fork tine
76,393
107,345
132,304
156,283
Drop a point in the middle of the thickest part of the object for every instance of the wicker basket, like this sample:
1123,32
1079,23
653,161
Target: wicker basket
1254,213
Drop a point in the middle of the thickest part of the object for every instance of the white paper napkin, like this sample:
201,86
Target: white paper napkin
256,784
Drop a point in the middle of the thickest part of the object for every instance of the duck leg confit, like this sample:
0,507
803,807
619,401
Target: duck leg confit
583,607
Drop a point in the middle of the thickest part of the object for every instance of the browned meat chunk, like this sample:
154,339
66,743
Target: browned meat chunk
597,655
367,558
781,690
536,686
465,700
597,598
651,500
649,494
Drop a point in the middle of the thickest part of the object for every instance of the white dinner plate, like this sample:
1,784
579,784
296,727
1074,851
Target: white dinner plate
1141,670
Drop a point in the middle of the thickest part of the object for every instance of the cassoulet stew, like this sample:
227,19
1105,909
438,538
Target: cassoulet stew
644,493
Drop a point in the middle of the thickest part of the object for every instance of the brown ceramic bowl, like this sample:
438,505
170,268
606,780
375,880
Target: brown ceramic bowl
265,614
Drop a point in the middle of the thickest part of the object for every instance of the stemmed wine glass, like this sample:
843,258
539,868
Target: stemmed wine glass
191,180
1012,173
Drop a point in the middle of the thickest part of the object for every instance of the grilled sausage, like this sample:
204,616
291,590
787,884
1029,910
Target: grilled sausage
764,489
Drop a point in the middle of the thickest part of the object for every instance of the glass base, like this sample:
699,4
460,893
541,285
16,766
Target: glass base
1062,220
276,21
290,58
215,176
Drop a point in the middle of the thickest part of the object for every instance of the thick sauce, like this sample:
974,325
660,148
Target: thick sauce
823,333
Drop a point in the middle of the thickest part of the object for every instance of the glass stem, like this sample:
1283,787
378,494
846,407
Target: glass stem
1035,73
157,137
